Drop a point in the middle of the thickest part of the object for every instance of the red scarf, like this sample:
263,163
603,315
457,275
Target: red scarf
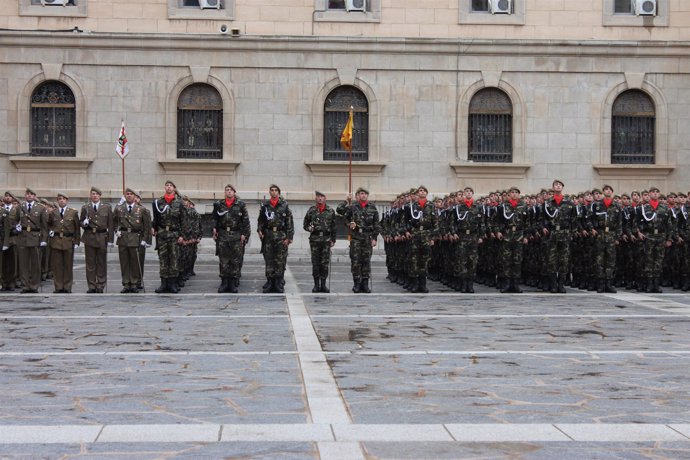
654,204
558,199
422,202
469,202
169,198
321,207
274,201
229,202
363,204
513,203
608,201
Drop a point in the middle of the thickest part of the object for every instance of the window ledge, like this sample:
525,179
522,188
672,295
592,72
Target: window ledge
51,164
630,171
178,12
347,16
199,167
490,170
339,168
69,11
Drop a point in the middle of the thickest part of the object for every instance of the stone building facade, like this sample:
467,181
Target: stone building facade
453,95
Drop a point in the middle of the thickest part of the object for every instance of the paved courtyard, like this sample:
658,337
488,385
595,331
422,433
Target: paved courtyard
388,375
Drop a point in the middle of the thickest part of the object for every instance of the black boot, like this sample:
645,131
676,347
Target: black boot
560,288
356,286
279,285
364,286
506,289
324,287
163,287
469,288
223,285
516,286
267,286
600,286
421,286
172,283
655,286
233,284
180,281
609,287
317,285
414,285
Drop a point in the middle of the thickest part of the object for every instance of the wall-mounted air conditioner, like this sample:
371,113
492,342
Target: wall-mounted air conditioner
54,2
500,6
209,4
645,7
355,5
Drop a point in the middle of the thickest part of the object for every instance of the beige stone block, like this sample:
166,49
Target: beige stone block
546,5
100,9
274,13
419,16
290,28
260,28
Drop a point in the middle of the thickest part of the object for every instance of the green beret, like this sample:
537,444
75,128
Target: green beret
362,189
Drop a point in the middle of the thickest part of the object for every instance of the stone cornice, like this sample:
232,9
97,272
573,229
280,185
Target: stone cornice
203,167
51,164
490,170
340,168
632,171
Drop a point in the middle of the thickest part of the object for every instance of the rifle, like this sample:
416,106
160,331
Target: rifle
262,209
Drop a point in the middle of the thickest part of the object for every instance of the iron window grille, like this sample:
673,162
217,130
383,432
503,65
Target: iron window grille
623,7
336,114
53,115
491,127
632,129
200,123
480,5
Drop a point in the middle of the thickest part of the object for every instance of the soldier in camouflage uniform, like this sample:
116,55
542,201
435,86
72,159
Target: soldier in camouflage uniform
559,224
363,221
421,230
467,233
654,229
168,222
231,231
276,230
9,250
510,228
320,223
683,241
191,233
131,228
606,228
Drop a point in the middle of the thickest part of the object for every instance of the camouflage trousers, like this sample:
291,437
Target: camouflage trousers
654,252
465,258
169,258
510,256
275,256
360,258
557,256
604,252
230,254
420,253
320,258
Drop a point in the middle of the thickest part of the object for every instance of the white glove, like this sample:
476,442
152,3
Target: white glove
51,233
148,245
143,243
118,233
85,223
5,248
43,244
18,228
76,246
122,199
110,245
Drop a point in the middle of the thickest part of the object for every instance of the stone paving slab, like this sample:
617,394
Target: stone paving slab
492,432
48,434
275,432
391,432
620,432
160,433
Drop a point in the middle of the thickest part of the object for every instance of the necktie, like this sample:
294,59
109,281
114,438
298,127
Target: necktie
95,208
29,207
129,208
62,212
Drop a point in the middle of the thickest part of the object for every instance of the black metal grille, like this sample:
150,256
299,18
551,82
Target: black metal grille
632,129
200,123
622,6
53,128
336,113
480,5
491,127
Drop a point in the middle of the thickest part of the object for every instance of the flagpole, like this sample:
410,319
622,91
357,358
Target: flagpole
350,152
123,176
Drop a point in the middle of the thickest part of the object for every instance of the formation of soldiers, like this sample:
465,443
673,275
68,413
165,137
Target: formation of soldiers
594,240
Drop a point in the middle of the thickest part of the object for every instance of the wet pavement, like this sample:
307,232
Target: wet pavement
299,375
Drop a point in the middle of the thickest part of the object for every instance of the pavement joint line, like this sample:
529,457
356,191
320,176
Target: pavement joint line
279,315
445,427
99,433
566,434
484,316
324,400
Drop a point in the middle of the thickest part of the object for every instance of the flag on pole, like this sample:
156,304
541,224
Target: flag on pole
346,136
122,148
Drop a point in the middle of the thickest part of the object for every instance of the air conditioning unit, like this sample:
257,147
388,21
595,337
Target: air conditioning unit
355,5
645,7
501,6
209,4
54,2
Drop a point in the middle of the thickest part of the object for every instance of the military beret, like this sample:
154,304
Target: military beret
317,193
682,194
231,187
423,187
607,186
362,189
138,194
625,195
468,188
672,194
97,190
129,190
171,183
61,194
596,190
8,193
28,190
45,202
635,191
275,187
514,188
557,181
654,189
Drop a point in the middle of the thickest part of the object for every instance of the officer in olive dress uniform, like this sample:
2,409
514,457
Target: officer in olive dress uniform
31,225
132,226
320,223
46,271
231,231
276,230
64,230
9,249
141,250
168,221
96,219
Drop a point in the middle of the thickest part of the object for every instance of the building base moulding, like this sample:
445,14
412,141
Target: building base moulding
340,168
490,170
199,167
51,164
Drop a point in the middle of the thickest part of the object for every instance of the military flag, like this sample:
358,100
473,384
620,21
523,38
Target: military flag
122,147
346,136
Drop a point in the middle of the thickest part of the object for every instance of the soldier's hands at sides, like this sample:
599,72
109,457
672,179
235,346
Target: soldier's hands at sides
214,234
431,242
76,246
43,244
640,236
480,241
668,243
332,243
5,248
352,225
143,243
287,242
153,232
243,239
524,241
499,235
546,232
373,243
261,235
180,240
51,233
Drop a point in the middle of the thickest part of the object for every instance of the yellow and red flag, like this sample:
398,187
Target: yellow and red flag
346,136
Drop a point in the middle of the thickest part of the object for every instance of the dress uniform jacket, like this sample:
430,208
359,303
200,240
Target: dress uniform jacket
65,230
32,231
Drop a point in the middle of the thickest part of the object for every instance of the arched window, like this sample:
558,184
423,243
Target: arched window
200,123
632,128
53,130
491,127
336,112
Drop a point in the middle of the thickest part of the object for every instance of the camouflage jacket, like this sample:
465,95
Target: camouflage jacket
276,222
320,225
231,223
366,219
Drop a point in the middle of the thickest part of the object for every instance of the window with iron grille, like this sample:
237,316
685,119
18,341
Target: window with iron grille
200,123
623,7
491,127
336,114
480,5
53,130
632,128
